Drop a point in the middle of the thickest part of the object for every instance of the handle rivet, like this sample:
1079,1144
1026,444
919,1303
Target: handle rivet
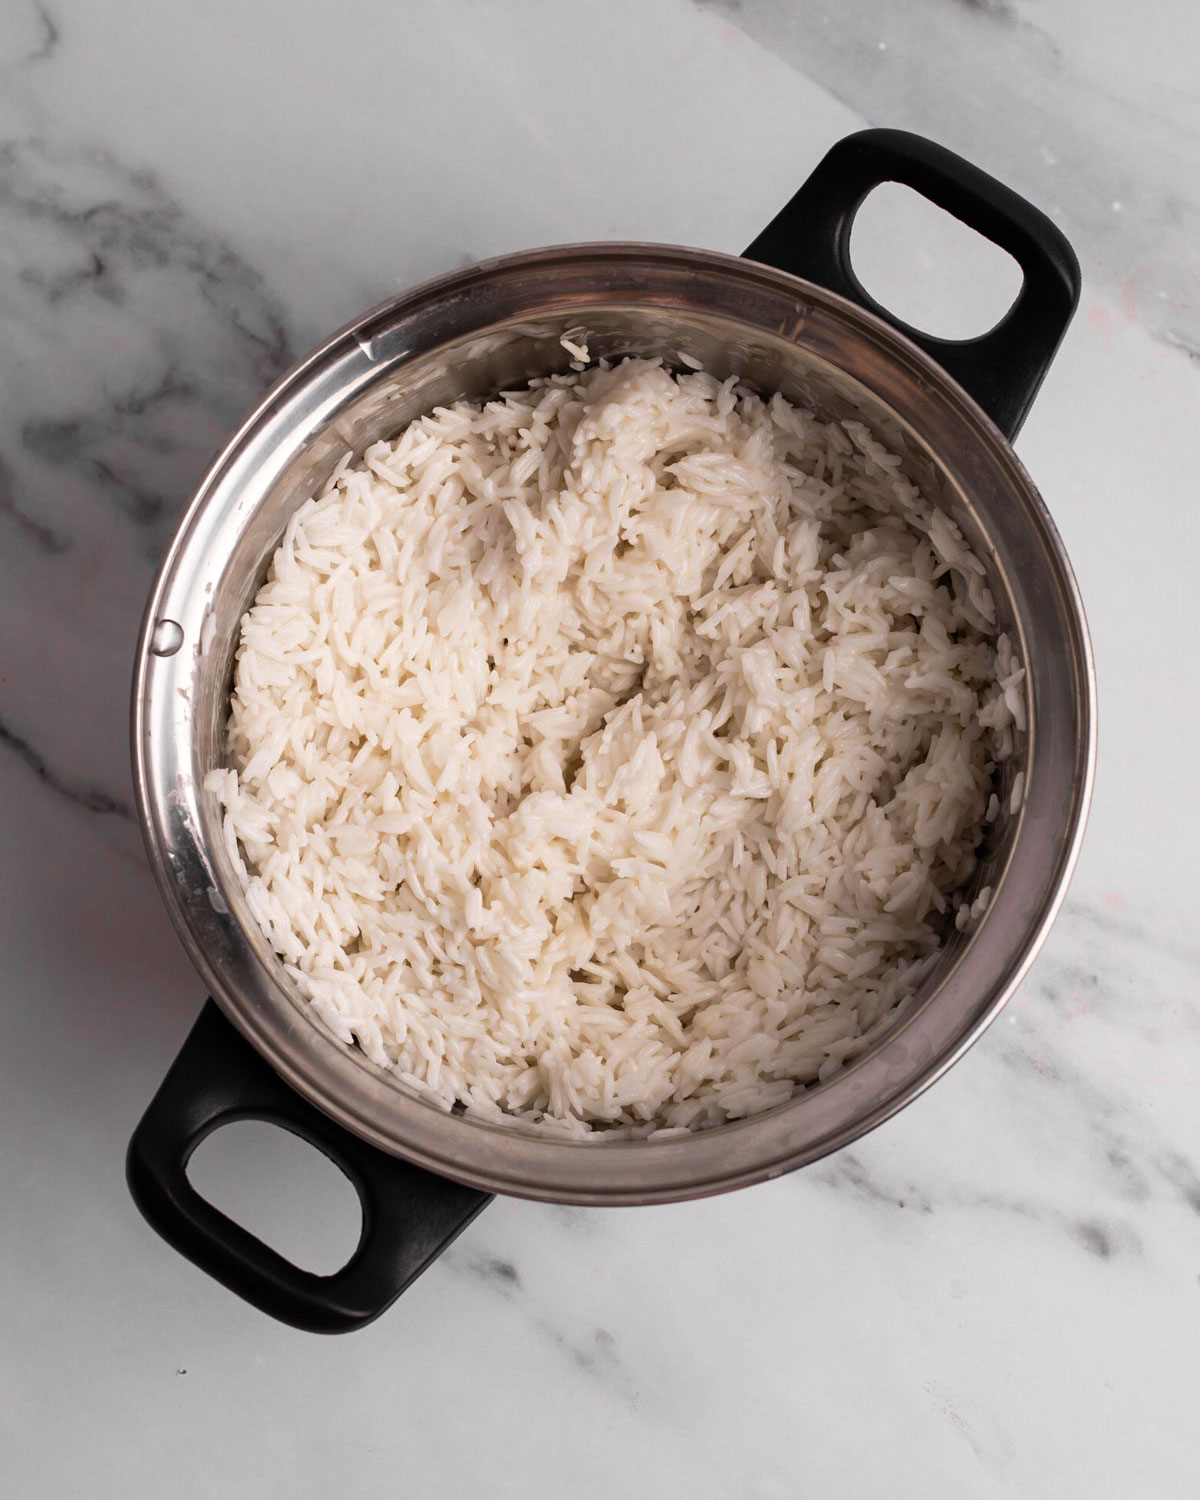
166,638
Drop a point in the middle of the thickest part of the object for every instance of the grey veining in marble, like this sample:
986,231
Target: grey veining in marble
993,1296
1093,113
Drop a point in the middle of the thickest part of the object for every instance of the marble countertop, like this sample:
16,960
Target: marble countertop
996,1294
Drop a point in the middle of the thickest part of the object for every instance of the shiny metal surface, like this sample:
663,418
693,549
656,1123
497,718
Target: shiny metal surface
467,335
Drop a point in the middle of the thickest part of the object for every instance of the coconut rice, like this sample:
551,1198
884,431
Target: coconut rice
613,756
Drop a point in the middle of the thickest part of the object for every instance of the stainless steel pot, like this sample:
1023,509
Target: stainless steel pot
791,317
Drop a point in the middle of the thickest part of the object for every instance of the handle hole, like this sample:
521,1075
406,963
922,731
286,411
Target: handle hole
927,268
282,1190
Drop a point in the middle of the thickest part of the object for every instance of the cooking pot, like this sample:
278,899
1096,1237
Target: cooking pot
789,316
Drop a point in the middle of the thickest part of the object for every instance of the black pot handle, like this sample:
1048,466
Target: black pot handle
409,1215
1002,369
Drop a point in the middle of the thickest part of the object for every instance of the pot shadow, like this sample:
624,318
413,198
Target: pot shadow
100,991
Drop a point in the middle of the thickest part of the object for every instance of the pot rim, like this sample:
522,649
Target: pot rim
369,1101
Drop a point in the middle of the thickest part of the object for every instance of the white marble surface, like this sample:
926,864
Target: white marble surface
996,1295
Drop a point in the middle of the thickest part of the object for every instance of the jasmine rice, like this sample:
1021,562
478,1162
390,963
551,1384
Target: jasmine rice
612,756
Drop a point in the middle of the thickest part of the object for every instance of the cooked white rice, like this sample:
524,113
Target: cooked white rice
614,755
